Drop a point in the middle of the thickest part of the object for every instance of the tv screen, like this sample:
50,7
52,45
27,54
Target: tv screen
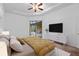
58,28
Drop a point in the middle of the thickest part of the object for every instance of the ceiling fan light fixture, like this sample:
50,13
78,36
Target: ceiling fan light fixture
33,7
37,7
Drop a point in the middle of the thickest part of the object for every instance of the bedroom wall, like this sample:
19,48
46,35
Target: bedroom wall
16,24
1,17
68,16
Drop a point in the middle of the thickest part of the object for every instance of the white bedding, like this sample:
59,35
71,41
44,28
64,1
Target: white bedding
58,52
28,51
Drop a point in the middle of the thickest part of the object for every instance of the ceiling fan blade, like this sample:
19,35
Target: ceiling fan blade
40,8
29,8
40,4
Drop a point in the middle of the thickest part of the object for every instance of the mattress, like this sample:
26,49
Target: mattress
28,51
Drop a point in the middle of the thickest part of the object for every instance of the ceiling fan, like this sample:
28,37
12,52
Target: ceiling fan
36,7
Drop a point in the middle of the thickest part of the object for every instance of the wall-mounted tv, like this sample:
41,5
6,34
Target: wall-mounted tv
58,27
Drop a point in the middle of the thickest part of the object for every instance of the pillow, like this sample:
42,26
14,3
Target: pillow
21,41
5,36
5,40
15,44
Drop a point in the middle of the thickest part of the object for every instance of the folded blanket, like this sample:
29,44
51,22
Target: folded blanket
40,46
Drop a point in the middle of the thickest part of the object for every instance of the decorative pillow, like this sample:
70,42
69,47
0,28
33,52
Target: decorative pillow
5,40
5,36
15,44
21,41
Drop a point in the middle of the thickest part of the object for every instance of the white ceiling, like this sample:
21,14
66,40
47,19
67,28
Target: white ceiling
22,8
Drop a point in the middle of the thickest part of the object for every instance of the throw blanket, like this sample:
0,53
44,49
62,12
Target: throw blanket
40,46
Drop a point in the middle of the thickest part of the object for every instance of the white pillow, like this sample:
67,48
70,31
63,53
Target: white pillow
5,36
15,44
5,40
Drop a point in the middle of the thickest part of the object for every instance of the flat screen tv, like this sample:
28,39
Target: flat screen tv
58,27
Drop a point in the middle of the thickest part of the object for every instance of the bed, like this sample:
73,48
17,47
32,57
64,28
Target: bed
29,51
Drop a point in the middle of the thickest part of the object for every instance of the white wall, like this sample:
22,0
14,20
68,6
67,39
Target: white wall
67,16
1,17
16,24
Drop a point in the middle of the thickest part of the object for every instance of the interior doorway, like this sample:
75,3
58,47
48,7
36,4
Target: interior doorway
35,28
